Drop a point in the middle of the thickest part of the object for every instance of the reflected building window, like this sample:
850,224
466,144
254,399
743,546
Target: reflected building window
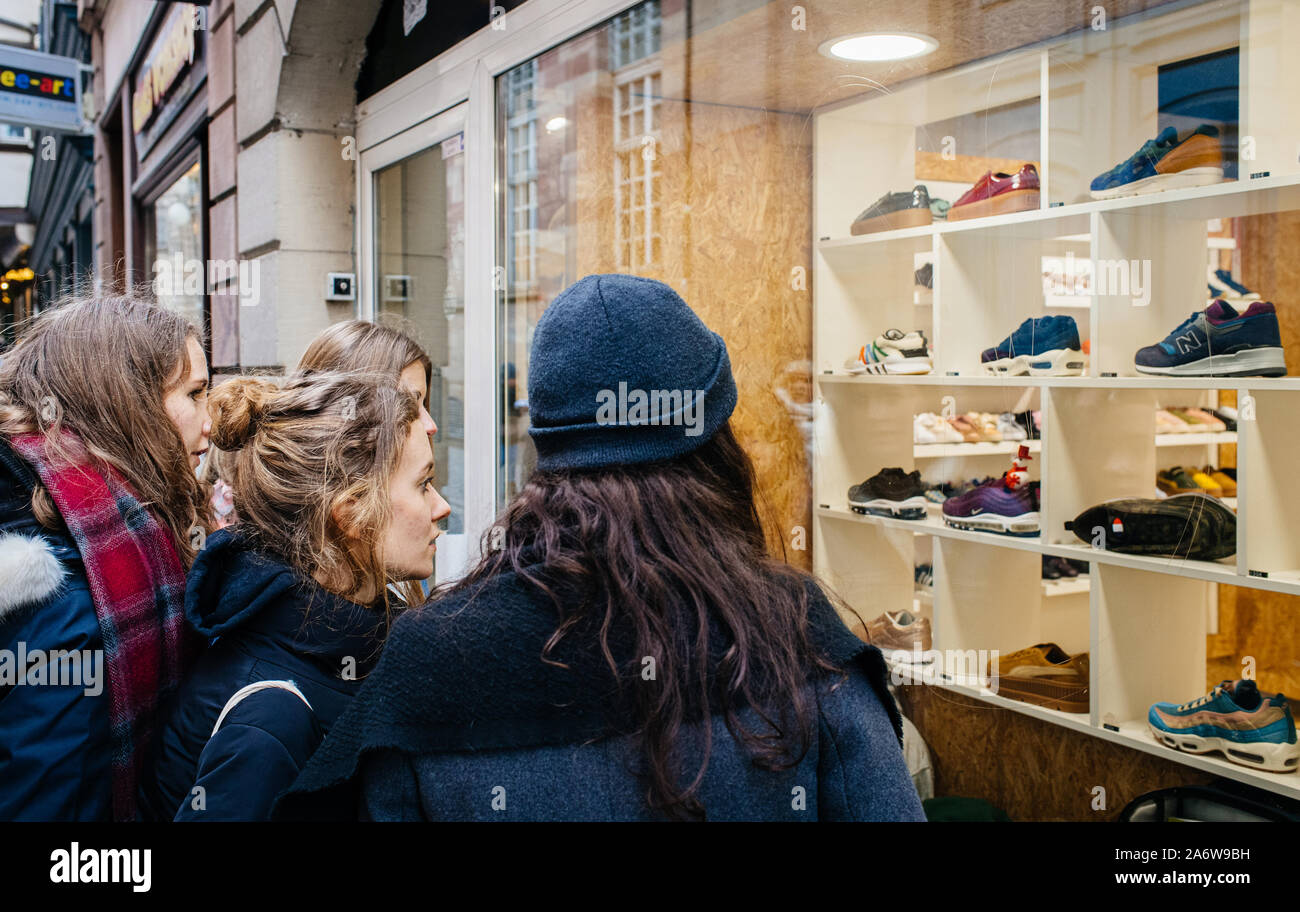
637,70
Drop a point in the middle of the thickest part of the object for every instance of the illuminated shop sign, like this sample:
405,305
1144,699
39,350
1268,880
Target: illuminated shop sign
171,55
40,90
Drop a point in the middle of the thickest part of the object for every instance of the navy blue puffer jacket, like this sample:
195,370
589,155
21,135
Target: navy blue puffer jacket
55,749
267,623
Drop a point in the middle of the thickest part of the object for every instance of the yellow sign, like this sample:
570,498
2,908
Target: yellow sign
171,55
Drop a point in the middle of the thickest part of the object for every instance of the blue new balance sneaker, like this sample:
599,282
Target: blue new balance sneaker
1220,342
1041,347
1250,728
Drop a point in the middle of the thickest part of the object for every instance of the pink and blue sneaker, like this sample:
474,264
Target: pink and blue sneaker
1249,727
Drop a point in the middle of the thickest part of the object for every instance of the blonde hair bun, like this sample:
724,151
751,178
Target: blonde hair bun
237,407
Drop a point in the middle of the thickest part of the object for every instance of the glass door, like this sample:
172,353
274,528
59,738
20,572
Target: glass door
413,279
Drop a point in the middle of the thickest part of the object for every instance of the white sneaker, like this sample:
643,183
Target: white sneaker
896,352
1009,429
936,429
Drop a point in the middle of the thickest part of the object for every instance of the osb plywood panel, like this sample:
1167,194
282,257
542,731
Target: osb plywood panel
1029,768
964,168
734,224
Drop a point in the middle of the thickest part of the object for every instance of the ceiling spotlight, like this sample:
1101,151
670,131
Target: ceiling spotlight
878,46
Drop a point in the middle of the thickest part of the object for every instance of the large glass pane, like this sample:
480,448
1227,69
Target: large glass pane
174,247
420,284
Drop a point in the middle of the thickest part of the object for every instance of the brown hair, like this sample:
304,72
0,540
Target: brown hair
667,550
305,450
107,364
358,345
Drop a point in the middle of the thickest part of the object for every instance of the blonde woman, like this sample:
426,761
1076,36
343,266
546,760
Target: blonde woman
334,497
103,419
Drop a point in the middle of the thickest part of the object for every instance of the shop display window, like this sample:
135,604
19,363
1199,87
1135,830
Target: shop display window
174,246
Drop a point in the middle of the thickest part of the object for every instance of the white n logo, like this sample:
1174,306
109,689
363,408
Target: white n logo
1187,342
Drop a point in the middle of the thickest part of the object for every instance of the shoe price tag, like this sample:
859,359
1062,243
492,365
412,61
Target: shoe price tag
1261,574
1117,526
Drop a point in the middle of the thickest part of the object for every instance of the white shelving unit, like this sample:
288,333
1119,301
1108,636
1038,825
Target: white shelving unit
1144,620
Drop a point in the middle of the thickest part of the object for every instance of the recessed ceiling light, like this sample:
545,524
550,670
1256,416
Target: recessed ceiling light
877,46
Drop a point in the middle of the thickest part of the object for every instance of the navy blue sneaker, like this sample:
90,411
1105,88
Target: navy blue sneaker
1222,283
1220,342
1041,347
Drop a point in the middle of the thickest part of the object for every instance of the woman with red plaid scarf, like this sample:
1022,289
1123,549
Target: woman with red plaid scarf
103,420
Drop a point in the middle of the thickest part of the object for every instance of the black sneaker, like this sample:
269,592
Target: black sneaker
1050,570
925,276
890,492
1195,526
904,209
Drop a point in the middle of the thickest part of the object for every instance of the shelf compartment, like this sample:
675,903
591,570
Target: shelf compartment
1268,490
941,450
1279,384
1210,571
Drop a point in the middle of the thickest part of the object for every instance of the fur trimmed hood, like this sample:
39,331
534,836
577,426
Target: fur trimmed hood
29,572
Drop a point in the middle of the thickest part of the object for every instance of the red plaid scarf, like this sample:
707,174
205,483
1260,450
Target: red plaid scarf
137,585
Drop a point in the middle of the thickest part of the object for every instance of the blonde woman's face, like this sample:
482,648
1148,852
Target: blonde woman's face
417,507
412,380
186,405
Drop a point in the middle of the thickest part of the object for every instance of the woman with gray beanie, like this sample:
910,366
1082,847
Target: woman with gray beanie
625,649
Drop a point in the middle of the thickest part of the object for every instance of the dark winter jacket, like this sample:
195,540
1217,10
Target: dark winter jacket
55,749
268,624
462,721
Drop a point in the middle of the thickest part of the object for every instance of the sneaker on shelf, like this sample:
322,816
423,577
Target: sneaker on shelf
1040,347
937,492
1190,526
1224,286
923,575
1219,342
998,194
1010,429
1045,675
928,427
1050,570
1201,421
904,209
1006,506
890,492
896,352
970,433
1223,480
1165,163
939,208
899,632
987,426
1177,480
1227,415
1169,423
924,277
1248,726
1066,569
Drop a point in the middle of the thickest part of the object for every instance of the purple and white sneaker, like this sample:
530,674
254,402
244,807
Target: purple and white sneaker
994,507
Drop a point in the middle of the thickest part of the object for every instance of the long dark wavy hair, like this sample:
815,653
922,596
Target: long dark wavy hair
672,551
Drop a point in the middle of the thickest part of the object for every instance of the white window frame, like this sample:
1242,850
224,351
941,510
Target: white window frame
407,116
